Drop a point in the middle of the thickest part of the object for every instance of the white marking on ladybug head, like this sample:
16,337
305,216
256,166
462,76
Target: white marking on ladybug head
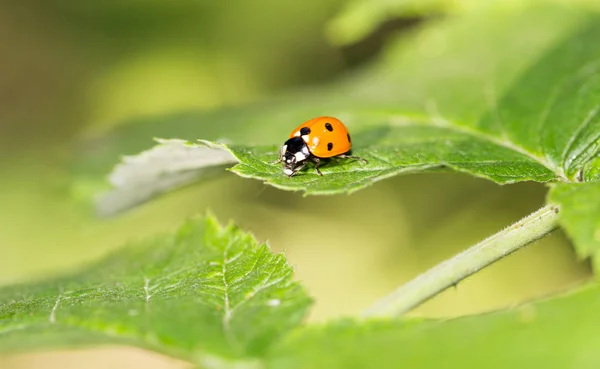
305,138
297,134
300,156
305,150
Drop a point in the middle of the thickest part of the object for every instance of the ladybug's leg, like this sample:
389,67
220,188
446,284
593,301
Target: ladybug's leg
297,169
317,162
281,155
344,156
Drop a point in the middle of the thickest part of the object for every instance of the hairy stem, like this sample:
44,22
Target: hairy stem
454,270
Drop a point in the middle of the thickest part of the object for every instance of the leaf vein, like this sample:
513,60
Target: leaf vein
584,124
452,126
52,317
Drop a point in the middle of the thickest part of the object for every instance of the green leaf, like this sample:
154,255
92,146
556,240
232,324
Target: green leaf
397,150
205,292
546,126
362,17
558,333
580,215
389,150
543,126
171,164
444,74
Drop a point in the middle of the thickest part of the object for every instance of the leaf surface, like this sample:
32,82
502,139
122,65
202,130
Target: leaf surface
397,150
463,86
206,292
530,336
546,126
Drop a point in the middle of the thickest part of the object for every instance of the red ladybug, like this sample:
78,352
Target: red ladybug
314,140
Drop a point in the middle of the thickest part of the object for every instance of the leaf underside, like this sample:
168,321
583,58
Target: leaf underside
169,165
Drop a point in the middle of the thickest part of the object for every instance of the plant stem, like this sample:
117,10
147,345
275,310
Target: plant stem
454,270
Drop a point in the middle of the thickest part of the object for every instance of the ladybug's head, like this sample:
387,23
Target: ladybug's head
293,153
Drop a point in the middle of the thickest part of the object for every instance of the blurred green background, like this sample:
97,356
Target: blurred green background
75,69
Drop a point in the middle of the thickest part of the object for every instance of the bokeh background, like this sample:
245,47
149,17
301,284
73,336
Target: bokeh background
71,70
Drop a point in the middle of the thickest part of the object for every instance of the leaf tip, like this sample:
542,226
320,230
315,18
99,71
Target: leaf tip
212,222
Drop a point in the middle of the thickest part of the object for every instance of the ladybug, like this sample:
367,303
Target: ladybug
315,140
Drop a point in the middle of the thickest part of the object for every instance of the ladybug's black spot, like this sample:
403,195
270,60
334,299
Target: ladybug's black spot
329,127
304,131
329,146
349,139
